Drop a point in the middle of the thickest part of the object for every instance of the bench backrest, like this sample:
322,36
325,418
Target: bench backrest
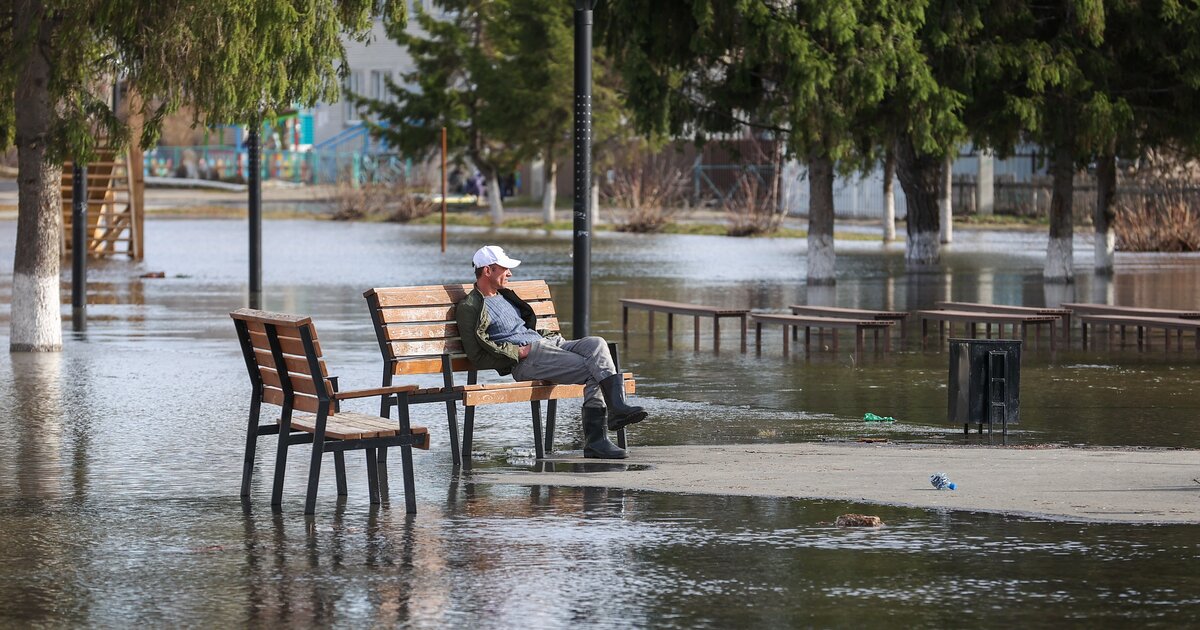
415,325
283,356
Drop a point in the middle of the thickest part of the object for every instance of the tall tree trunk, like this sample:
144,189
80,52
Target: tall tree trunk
946,201
889,195
495,204
1060,250
550,190
821,259
36,306
919,175
1106,198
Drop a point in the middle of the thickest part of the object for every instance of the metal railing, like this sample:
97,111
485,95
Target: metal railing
229,164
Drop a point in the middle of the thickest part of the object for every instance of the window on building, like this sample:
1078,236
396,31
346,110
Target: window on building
353,84
379,90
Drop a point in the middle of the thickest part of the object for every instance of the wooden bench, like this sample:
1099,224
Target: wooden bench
1130,311
970,320
417,334
975,307
809,322
681,308
286,367
1143,325
853,313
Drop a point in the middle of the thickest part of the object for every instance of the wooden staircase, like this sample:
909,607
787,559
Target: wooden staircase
114,200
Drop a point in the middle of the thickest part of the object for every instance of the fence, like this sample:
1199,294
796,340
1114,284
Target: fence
230,164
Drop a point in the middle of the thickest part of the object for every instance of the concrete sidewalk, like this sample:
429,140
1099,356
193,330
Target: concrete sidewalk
1077,484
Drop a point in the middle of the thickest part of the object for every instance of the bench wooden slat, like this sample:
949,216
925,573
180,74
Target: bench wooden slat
263,317
288,345
300,383
443,313
526,392
805,309
1111,309
413,332
449,293
1145,322
429,365
681,308
820,322
427,347
300,401
295,364
349,425
980,316
978,307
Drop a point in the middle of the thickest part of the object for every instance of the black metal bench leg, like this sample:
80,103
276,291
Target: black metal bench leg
406,462
372,475
339,471
280,467
551,413
314,473
251,445
468,430
536,407
452,426
621,438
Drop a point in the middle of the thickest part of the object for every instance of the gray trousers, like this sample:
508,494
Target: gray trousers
580,362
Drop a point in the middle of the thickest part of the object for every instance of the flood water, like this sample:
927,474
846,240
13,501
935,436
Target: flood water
119,489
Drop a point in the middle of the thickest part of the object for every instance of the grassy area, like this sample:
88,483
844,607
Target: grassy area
1002,220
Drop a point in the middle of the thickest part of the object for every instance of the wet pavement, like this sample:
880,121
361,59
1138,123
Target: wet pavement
119,493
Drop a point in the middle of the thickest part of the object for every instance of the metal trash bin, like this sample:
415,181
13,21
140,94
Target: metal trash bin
985,382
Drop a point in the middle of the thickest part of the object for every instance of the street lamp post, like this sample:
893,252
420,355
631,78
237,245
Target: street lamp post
582,259
254,181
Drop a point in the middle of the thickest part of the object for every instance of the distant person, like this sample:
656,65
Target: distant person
508,186
454,181
499,332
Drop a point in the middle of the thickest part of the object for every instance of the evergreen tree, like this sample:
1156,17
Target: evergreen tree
453,84
232,59
809,72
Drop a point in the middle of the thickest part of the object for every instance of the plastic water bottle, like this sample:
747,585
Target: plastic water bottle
941,481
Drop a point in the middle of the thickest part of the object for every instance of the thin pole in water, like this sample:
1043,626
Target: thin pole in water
78,247
443,190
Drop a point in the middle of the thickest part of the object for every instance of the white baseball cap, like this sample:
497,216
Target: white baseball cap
493,255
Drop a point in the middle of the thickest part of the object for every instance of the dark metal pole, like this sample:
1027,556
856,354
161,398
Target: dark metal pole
79,247
583,168
255,184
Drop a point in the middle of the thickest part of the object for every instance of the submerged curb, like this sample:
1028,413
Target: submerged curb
1076,484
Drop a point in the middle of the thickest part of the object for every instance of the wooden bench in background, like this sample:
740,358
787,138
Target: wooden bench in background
971,320
975,307
853,313
696,311
286,367
808,322
1143,325
418,334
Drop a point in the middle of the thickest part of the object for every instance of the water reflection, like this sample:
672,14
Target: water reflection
120,488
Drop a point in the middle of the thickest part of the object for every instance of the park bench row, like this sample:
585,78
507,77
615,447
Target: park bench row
1015,320
417,335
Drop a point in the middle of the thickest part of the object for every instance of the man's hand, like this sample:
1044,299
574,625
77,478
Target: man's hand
524,351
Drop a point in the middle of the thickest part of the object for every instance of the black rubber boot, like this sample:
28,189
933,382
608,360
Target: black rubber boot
620,414
595,437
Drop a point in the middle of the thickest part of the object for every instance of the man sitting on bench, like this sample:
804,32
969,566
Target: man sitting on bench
498,331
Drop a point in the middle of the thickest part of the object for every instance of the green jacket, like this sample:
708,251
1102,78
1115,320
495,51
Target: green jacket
473,321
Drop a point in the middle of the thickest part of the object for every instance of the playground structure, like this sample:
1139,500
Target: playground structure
115,208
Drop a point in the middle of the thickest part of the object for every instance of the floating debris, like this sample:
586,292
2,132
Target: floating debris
858,520
870,417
